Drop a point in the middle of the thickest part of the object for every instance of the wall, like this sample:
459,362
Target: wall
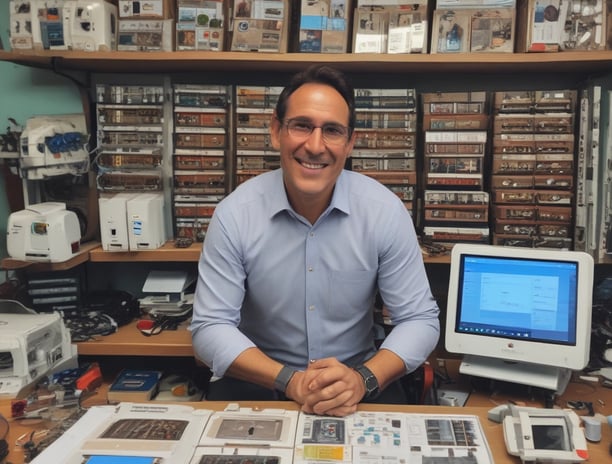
26,92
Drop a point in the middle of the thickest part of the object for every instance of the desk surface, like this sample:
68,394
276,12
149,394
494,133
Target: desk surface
494,432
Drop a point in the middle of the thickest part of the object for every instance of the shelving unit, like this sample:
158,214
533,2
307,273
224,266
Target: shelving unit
128,341
575,66
592,62
94,253
585,65
11,264
168,252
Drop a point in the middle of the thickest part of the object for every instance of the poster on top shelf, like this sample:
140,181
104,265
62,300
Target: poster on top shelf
390,26
324,26
260,26
450,31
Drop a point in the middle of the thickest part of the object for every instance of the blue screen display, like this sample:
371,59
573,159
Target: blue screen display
517,298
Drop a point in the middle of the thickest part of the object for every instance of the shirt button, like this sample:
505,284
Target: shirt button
309,268
311,308
311,234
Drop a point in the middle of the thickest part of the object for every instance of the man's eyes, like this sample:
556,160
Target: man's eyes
333,130
304,126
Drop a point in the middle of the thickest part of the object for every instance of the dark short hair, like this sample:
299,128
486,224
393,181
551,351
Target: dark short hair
320,74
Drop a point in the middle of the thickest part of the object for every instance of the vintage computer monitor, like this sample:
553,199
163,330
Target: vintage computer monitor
520,315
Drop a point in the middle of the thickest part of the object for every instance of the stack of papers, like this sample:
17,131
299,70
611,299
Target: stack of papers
176,434
166,292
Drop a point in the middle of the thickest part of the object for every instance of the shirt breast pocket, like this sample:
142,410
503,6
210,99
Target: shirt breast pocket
350,291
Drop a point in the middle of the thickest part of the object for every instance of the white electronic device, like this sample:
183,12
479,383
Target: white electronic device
113,221
91,25
53,146
157,9
145,215
45,232
520,315
21,37
545,435
48,25
31,346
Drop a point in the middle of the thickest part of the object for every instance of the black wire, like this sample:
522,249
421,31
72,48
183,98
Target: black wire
87,326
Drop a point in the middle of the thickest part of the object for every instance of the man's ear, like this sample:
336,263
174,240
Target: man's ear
275,128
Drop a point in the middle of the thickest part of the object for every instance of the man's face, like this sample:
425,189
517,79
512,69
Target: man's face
311,164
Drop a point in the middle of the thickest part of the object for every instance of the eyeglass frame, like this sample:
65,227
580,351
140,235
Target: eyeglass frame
347,136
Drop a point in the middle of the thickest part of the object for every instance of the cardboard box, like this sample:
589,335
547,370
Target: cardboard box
562,25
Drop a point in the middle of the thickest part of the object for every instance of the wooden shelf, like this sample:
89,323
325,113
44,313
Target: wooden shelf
94,253
166,253
198,61
128,341
11,264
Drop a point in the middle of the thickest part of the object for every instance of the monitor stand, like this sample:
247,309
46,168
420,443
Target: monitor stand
536,375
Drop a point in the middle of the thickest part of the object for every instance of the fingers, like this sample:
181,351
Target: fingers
340,411
340,404
329,387
324,372
336,398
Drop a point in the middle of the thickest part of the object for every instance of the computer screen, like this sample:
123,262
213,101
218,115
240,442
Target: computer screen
515,311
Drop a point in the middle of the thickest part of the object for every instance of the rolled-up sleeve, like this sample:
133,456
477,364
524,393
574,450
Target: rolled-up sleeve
216,339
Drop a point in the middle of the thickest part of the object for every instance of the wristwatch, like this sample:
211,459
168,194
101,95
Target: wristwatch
369,381
283,378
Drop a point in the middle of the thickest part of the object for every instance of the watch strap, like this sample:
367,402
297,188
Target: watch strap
372,388
283,378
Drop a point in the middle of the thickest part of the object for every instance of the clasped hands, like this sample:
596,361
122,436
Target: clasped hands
327,387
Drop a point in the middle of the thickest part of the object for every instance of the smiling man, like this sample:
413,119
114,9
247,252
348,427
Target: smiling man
293,260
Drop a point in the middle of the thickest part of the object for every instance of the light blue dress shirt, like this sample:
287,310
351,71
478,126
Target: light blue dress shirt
268,278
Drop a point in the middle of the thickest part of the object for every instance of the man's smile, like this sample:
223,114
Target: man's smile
311,165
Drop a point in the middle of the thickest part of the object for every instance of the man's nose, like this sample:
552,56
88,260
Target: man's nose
315,140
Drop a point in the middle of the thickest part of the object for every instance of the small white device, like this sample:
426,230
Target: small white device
545,435
91,25
113,221
31,345
53,146
48,25
44,232
145,216
21,37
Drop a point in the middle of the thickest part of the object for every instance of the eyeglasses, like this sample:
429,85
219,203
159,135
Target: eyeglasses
333,134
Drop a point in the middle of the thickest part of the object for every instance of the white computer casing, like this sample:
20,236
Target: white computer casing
145,217
113,221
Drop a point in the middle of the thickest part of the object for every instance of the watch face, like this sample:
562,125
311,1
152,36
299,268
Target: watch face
371,383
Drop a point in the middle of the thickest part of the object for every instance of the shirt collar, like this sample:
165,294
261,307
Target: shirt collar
279,201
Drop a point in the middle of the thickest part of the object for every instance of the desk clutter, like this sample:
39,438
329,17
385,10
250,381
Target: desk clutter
31,346
600,362
137,385
73,404
166,301
177,434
